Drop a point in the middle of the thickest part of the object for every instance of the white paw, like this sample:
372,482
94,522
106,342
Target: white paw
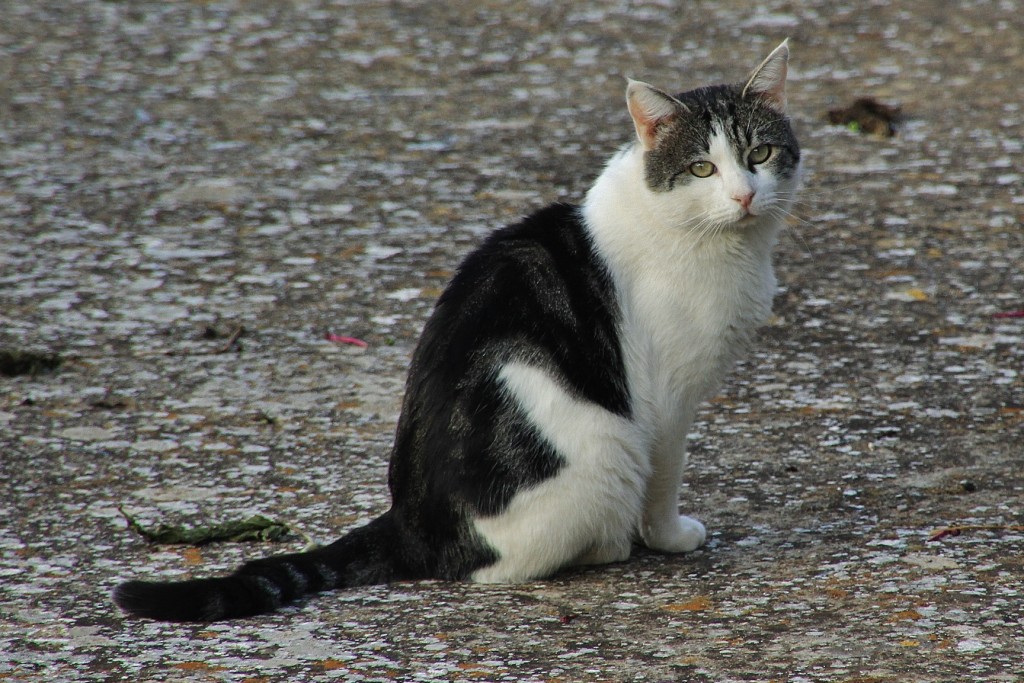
680,535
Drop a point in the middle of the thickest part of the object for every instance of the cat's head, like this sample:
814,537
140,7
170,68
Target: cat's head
726,152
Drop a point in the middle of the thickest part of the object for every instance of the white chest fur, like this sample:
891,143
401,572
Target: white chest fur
691,298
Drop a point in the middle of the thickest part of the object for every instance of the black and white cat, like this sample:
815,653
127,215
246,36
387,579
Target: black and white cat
548,402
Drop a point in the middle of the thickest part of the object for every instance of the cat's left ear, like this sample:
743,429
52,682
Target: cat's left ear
769,79
651,109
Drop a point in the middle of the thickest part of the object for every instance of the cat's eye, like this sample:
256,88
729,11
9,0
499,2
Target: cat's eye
702,169
759,154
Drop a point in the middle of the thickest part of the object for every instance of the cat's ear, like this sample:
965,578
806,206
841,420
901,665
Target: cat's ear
651,109
769,79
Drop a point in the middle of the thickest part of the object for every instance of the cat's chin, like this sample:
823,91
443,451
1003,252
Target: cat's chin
750,221
746,222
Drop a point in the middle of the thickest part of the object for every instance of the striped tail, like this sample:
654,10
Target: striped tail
364,556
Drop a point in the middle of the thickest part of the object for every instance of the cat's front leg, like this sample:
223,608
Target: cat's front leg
663,528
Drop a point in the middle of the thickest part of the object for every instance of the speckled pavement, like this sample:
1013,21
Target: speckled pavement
195,195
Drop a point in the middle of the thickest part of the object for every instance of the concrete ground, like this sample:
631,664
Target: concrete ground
195,194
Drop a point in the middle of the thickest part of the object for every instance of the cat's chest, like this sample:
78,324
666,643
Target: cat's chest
684,327
700,303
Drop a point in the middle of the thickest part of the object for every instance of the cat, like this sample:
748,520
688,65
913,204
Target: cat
551,392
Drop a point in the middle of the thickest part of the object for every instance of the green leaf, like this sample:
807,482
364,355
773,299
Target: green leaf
255,528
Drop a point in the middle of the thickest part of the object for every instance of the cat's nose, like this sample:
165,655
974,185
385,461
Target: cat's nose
744,199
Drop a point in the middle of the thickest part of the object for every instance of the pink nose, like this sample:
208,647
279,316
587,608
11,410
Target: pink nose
744,200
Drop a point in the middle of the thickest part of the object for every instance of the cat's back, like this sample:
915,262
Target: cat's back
548,250
537,290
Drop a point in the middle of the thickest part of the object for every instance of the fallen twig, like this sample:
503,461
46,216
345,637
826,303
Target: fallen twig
232,340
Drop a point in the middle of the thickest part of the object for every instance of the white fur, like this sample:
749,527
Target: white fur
692,271
587,513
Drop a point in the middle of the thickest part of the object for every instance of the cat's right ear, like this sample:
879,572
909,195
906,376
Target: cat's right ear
651,109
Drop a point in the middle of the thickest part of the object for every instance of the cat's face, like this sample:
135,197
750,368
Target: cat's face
726,154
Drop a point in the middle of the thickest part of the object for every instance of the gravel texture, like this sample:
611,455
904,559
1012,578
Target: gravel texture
194,195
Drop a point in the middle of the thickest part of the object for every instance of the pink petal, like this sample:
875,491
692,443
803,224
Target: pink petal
339,339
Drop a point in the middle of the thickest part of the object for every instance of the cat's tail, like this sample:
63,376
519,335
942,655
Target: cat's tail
364,556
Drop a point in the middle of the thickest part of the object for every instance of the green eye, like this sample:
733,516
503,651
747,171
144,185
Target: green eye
759,154
702,169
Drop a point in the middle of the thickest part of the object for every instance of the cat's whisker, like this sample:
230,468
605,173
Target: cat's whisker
782,215
800,199
693,224
702,228
795,203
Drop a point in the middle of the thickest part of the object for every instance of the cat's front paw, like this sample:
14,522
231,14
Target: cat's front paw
680,535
